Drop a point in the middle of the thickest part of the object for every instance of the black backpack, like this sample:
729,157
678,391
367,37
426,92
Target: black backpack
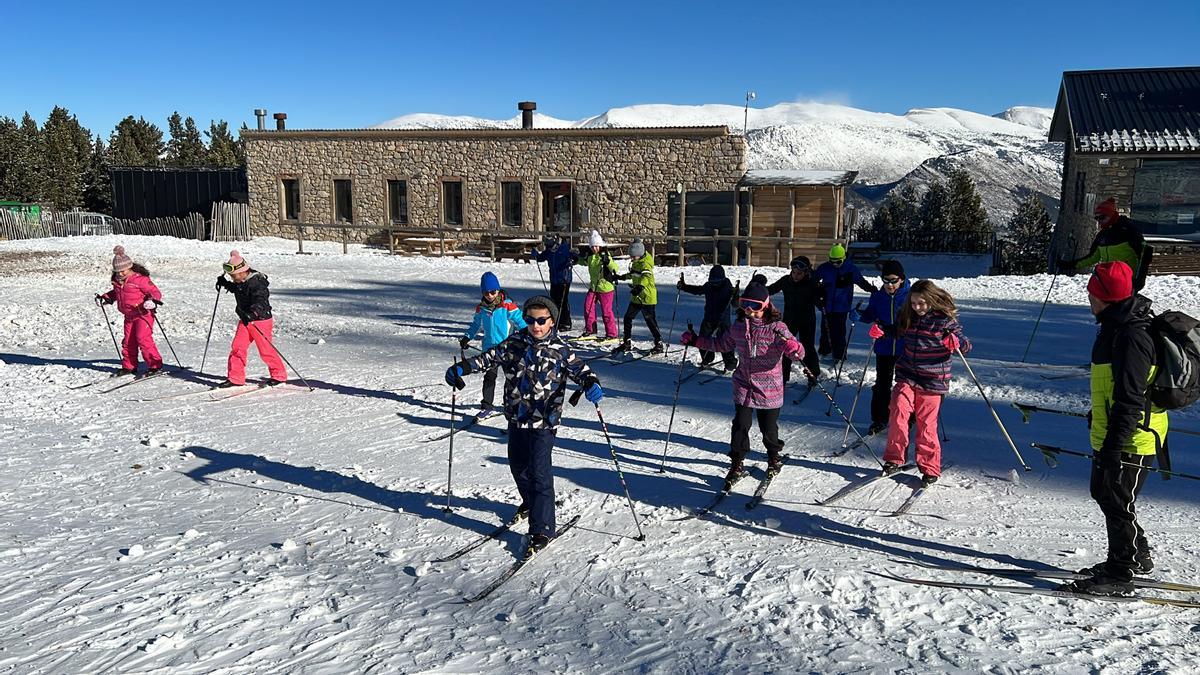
1176,383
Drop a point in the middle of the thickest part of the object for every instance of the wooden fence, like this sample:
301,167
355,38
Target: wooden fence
230,222
189,227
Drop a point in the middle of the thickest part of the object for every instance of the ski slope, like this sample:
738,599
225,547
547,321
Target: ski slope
293,531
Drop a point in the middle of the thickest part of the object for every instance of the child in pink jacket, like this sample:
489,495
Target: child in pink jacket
761,340
136,297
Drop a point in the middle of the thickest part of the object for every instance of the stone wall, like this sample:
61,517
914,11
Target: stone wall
1076,225
621,177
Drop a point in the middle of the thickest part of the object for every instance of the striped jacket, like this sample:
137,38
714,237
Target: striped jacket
758,380
925,362
535,377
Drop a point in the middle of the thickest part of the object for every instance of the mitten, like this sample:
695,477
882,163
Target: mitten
875,332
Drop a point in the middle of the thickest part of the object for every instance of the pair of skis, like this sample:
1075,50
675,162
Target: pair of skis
859,485
120,380
475,419
756,499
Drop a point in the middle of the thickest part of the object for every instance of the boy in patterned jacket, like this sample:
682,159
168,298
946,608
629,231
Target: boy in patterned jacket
536,364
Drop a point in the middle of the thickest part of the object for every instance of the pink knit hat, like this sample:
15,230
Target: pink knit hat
120,260
236,263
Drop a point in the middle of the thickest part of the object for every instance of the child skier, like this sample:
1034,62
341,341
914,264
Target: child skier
929,329
838,277
761,340
536,364
255,323
718,296
602,272
801,297
561,258
883,310
494,313
136,297
643,296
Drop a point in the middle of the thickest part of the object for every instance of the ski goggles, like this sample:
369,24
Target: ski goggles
752,305
890,281
539,320
230,269
837,261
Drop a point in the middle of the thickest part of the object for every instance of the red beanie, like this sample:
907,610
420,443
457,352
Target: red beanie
1111,282
1108,209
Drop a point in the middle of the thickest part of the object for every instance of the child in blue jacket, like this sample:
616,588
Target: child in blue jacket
496,315
883,310
562,259
838,277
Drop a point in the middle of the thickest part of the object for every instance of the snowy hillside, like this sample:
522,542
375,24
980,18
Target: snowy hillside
150,529
1007,153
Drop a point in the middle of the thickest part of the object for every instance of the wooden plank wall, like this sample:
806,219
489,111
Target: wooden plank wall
816,210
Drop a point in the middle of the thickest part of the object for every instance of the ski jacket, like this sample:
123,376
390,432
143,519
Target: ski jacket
1120,241
758,380
925,361
561,259
837,284
132,293
718,294
800,300
253,296
535,377
602,270
642,290
884,310
495,321
1122,366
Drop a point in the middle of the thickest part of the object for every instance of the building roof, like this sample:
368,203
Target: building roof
537,132
767,177
1141,110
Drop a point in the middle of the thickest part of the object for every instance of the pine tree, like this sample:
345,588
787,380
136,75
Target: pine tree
1026,250
185,147
932,221
136,142
68,148
966,218
240,147
222,148
97,182
9,147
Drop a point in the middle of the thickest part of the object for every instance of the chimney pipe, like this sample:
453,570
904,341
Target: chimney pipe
261,114
527,108
280,121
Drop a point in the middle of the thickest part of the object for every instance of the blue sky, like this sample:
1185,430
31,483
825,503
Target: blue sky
354,64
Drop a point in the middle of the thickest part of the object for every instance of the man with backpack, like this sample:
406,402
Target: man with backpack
1126,430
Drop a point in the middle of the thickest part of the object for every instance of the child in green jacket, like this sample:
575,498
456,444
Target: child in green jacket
643,296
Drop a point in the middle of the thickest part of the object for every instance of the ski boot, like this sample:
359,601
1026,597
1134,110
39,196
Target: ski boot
928,479
586,337
658,347
736,471
122,371
536,543
625,347
1144,563
876,427
774,463
272,382
1101,584
227,384
890,468
488,411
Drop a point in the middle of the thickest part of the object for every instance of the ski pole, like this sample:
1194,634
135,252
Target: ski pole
280,353
838,377
164,334
993,409
678,381
835,406
1027,409
853,406
612,451
671,330
450,457
1040,313
1049,452
545,288
210,327
111,334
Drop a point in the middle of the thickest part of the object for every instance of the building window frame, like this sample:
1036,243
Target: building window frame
387,200
1080,190
333,199
283,180
503,219
444,204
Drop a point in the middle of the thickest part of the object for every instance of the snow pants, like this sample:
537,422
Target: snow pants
768,424
561,295
881,393
489,387
139,335
648,313
260,335
709,329
908,401
1115,492
606,308
529,461
833,335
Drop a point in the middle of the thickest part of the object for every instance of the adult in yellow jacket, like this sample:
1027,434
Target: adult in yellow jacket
1118,239
643,296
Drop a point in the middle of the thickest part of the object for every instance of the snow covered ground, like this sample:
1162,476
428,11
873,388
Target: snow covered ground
292,531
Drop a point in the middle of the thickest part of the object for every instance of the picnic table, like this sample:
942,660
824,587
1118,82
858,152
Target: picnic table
516,248
424,244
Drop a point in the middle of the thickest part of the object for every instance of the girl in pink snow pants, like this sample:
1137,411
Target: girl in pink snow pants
250,289
136,297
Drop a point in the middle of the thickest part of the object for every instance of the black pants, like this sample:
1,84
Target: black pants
881,393
768,424
833,334
529,453
804,332
489,387
1116,491
708,329
647,314
561,295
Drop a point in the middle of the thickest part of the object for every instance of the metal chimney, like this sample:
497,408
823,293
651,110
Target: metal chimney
527,108
280,121
261,114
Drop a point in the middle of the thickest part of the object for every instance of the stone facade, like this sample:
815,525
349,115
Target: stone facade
1089,179
621,177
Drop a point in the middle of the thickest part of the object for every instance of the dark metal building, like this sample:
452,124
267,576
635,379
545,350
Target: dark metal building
152,192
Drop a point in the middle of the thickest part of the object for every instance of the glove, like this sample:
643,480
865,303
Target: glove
533,253
101,300
454,377
220,281
1065,265
1089,419
688,338
855,315
875,332
794,348
1108,461
950,341
594,393
149,304
242,316
464,342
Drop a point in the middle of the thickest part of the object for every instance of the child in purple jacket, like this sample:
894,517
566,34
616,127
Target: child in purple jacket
761,340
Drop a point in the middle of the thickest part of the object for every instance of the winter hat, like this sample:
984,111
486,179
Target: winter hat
716,273
236,263
596,240
756,291
801,262
837,252
541,301
121,261
892,268
1111,281
488,282
758,279
1108,209
636,248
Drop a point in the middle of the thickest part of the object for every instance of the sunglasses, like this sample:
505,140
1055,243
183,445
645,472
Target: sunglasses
837,261
892,281
490,292
752,305
539,320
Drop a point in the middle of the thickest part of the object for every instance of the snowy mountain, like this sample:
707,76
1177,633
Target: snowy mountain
1007,153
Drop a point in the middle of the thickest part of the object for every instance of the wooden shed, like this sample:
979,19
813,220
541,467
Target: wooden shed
805,208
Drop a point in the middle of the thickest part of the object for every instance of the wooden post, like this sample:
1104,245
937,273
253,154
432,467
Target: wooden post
682,225
442,243
391,238
791,224
345,240
750,228
737,222
300,238
778,244
716,245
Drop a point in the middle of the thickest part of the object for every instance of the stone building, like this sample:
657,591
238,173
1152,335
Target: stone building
1133,135
503,180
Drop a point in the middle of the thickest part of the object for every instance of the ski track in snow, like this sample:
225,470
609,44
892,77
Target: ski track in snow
292,531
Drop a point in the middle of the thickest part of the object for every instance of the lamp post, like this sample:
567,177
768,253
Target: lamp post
750,96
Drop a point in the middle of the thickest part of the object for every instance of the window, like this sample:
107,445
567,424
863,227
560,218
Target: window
452,202
397,202
510,206
1166,196
290,188
343,201
1080,184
